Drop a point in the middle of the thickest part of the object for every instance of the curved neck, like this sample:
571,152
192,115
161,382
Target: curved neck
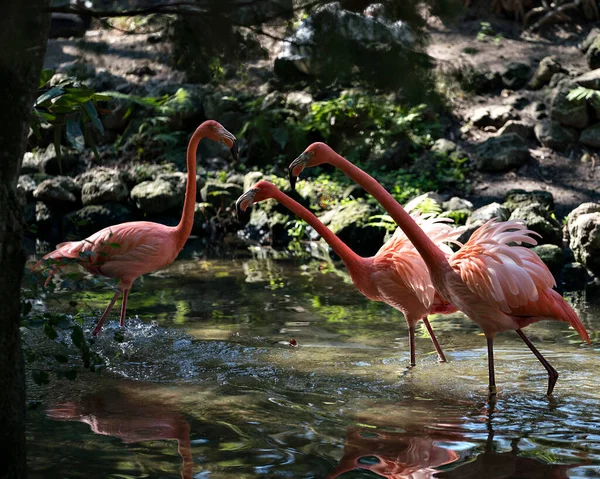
431,254
184,228
348,256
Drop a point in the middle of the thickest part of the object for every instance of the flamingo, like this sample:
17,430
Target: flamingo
396,275
129,250
498,286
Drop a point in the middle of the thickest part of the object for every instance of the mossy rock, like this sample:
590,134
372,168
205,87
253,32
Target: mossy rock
552,256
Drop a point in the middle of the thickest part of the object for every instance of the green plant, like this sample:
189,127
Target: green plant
486,32
582,93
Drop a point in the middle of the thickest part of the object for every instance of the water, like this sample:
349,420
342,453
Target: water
205,384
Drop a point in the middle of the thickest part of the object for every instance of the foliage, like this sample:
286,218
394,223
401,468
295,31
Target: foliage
582,93
486,32
67,105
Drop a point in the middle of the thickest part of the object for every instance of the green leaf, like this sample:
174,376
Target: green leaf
45,77
74,134
49,95
92,114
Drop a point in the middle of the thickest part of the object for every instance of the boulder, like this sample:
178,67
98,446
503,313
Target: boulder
522,128
102,185
299,100
548,66
45,160
589,39
445,147
584,240
589,79
494,115
591,136
592,55
552,134
89,219
350,222
517,197
158,196
58,190
26,186
487,212
219,194
539,219
552,256
501,153
568,112
455,204
582,209
516,75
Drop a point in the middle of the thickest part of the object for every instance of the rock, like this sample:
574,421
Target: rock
60,189
43,215
44,160
158,196
220,195
136,174
349,221
89,219
67,25
573,277
493,115
582,209
589,79
251,178
568,112
455,203
236,178
552,256
539,219
518,197
26,186
102,185
443,146
516,75
522,128
584,240
591,136
592,55
552,134
346,43
487,212
517,101
548,66
299,100
589,39
501,153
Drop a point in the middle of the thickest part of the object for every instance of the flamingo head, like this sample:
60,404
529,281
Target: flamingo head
316,154
261,191
215,131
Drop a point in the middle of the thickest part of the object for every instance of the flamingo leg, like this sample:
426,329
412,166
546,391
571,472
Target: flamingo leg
552,373
492,373
411,344
436,345
98,327
124,306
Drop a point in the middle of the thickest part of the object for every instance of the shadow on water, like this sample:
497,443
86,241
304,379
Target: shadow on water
205,360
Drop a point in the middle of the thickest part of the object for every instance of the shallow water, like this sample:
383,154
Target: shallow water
204,384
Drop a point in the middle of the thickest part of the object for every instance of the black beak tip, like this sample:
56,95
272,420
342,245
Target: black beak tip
234,151
292,181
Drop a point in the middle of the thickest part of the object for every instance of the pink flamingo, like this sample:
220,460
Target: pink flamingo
499,287
396,275
129,250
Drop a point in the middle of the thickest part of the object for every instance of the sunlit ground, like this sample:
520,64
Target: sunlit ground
204,383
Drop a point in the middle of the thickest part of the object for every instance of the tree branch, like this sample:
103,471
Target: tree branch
557,12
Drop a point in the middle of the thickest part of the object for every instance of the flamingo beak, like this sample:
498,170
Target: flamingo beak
230,140
245,201
296,168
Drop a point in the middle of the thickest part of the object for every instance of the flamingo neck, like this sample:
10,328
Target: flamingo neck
349,257
434,258
184,228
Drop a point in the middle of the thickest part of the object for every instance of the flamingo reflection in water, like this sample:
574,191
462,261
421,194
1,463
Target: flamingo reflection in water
114,414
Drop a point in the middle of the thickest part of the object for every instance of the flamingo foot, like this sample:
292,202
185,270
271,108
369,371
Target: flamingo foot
98,327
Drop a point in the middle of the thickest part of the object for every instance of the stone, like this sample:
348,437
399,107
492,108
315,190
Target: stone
219,194
501,153
102,185
45,160
493,115
539,219
522,128
89,219
67,25
568,112
157,196
236,178
444,147
592,55
60,189
487,212
350,222
455,203
299,100
546,69
573,277
591,136
584,240
552,256
518,197
517,101
582,209
589,39
516,75
552,134
26,185
589,79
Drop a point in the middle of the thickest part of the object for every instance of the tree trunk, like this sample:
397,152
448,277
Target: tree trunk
23,32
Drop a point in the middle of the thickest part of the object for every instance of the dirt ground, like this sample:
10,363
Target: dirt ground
135,60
